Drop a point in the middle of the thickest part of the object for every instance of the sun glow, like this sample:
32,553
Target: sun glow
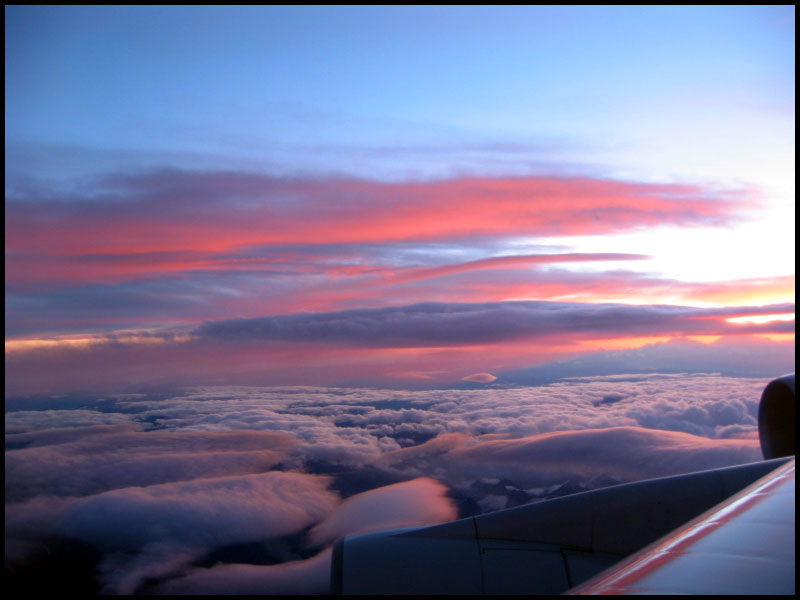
87,341
760,319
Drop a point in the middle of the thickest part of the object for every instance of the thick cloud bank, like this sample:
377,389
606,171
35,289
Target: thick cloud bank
203,512
444,323
435,342
241,490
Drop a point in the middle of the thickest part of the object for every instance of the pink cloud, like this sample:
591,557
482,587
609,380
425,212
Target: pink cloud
499,282
174,220
480,378
421,501
328,283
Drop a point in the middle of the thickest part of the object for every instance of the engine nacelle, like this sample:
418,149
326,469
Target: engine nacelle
776,418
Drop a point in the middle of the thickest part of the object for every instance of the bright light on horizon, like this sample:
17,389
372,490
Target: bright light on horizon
760,319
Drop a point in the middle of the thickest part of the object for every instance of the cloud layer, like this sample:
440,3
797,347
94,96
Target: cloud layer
232,490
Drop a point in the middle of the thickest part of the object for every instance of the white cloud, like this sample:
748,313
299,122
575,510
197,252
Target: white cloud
152,502
619,453
202,513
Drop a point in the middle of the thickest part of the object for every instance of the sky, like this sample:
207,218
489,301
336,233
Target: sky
171,169
258,249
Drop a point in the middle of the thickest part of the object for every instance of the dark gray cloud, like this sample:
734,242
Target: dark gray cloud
458,323
57,424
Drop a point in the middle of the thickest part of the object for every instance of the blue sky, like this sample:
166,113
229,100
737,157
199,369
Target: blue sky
585,84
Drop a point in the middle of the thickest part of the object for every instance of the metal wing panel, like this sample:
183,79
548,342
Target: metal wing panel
745,545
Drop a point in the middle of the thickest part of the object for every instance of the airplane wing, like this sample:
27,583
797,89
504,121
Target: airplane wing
629,538
743,546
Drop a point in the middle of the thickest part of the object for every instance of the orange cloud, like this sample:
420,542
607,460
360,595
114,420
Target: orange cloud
762,290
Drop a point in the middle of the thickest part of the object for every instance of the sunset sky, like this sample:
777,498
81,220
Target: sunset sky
276,276
389,194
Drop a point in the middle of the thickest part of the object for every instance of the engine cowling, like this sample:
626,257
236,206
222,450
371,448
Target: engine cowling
776,418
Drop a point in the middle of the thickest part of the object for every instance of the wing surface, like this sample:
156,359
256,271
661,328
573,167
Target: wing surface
745,545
